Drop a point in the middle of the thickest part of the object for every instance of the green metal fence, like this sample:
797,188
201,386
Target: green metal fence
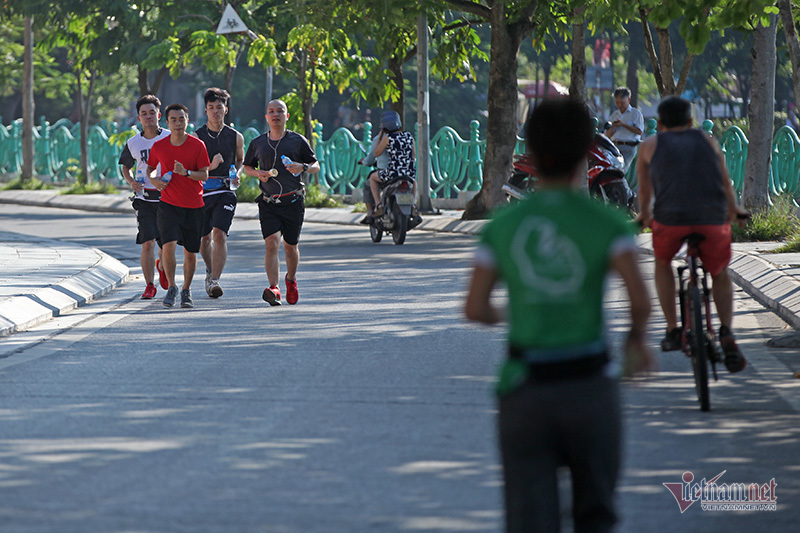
456,162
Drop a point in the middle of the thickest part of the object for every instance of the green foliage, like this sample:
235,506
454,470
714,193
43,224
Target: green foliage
778,223
721,125
791,246
119,139
360,207
91,188
315,197
33,184
248,189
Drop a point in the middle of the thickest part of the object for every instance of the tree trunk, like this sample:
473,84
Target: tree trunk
667,61
577,84
651,51
789,30
143,80
84,104
501,126
395,68
755,191
635,47
28,106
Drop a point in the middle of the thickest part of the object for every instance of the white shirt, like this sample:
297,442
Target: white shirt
632,117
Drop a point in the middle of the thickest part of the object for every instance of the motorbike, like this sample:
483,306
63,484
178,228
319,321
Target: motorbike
397,199
606,175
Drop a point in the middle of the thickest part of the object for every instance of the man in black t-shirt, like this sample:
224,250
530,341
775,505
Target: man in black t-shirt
280,206
225,148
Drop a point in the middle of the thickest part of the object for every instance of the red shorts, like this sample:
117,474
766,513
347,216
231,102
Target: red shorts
715,249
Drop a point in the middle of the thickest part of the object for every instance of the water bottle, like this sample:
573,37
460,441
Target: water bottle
166,177
232,176
286,161
140,180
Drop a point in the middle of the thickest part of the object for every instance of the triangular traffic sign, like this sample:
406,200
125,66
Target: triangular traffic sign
230,22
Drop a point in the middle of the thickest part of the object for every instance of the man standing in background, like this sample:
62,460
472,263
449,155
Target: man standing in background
145,201
225,148
627,125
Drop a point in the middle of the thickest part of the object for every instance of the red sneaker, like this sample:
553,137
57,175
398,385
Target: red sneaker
272,295
291,291
162,276
149,292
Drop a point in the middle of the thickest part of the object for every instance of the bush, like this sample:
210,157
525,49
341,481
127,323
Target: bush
91,188
778,223
793,245
33,184
248,191
315,197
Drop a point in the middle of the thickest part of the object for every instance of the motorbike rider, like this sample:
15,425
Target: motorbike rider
380,163
399,146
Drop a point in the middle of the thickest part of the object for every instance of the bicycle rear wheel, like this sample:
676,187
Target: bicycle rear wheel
698,348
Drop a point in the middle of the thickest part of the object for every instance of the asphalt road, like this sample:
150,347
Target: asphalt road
366,407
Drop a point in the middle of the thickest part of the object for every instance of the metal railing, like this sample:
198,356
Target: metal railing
456,162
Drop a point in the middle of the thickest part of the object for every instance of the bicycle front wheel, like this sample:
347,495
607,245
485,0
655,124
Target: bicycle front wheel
698,348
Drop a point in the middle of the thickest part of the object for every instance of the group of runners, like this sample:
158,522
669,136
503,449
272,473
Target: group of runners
183,194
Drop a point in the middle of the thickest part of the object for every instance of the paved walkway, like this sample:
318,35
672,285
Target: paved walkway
42,278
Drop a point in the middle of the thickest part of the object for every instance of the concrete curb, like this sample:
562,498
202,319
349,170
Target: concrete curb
101,275
768,285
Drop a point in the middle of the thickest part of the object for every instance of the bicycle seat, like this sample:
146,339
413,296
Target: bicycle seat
693,239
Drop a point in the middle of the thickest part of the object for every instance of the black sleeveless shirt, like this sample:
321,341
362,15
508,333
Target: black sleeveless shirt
687,180
222,142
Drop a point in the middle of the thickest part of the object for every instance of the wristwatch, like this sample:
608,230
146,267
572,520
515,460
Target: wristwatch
305,167
188,173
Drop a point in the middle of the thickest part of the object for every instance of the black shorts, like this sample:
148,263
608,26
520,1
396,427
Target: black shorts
146,221
286,217
218,211
181,224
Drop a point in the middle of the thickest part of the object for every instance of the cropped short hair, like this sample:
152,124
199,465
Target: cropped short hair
674,111
215,94
622,92
559,133
147,99
173,107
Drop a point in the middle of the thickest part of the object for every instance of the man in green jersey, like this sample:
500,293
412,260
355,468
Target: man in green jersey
558,397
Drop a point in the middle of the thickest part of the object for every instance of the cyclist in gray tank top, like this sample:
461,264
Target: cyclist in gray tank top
687,180
685,169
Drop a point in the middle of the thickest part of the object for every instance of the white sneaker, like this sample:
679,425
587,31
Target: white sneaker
213,289
208,282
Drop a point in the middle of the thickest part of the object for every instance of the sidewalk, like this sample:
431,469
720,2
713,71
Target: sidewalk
41,278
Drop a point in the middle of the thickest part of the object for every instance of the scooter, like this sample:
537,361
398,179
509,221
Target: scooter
606,175
397,199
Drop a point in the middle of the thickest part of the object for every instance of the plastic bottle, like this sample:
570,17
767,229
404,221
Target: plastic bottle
286,162
140,180
233,175
166,177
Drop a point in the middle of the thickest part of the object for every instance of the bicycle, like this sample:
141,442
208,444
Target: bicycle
698,340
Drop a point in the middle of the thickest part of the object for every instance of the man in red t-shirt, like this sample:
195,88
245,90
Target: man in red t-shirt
184,166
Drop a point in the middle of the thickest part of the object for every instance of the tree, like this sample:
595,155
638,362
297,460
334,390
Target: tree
755,186
510,22
28,169
792,43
